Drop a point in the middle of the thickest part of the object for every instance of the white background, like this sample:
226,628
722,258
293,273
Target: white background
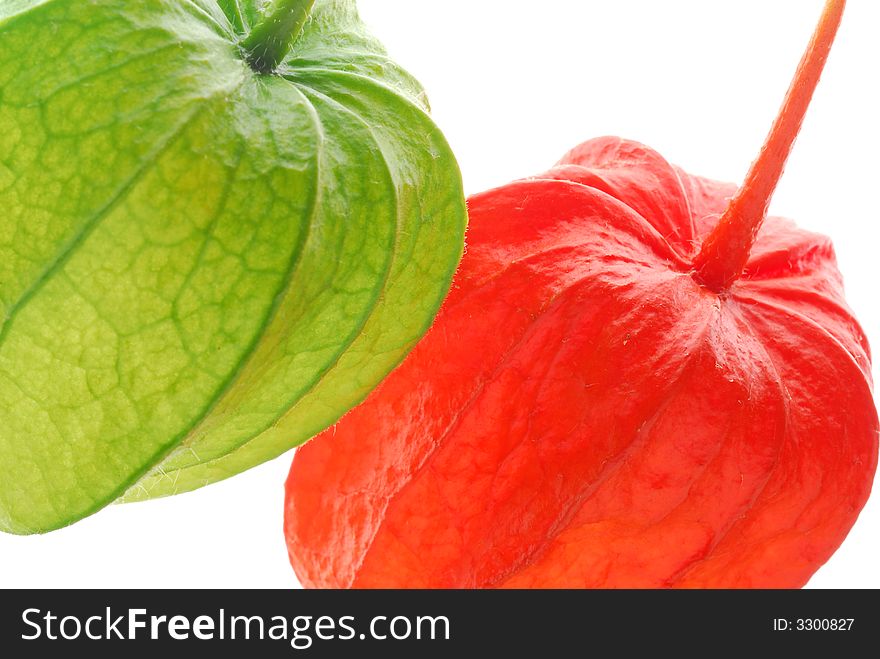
515,84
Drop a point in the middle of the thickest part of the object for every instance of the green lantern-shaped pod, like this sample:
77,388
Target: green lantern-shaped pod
222,223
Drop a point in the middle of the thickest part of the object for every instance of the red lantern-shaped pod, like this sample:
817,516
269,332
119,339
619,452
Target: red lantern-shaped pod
636,382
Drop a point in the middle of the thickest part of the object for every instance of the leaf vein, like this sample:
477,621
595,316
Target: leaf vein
89,226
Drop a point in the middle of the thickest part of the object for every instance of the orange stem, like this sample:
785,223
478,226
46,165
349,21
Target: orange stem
726,250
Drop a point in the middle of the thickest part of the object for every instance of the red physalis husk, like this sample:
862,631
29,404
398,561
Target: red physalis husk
630,385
